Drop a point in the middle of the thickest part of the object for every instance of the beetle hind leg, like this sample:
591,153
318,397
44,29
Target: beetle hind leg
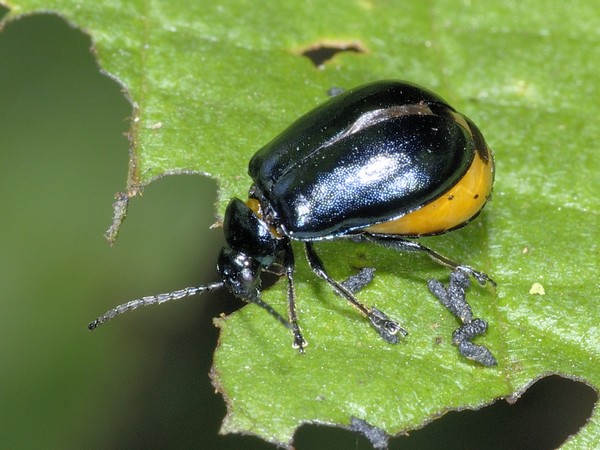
387,328
400,244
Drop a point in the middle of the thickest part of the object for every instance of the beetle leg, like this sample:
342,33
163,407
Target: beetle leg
400,244
288,262
258,301
388,329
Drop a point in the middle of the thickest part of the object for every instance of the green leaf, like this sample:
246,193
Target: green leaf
211,82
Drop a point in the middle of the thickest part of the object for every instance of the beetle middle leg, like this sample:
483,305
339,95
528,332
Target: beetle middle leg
400,244
388,329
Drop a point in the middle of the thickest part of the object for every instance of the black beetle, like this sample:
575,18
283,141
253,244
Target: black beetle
379,163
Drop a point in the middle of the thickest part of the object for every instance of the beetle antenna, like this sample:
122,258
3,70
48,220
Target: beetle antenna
153,300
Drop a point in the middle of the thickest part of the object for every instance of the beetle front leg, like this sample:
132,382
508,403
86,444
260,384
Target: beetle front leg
289,264
388,329
400,244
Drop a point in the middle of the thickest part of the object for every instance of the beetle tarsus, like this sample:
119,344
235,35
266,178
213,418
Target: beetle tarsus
481,277
388,329
299,342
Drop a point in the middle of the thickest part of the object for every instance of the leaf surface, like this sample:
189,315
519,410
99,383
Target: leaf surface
211,82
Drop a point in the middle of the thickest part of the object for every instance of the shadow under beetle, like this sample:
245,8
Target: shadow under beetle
380,163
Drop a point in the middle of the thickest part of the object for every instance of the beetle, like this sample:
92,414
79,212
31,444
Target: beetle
383,163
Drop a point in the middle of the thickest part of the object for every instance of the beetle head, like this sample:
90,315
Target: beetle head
240,273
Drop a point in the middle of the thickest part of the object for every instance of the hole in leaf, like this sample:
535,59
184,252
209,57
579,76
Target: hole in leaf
550,411
320,53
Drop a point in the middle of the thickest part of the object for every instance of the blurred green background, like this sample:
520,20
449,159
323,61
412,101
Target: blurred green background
142,381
